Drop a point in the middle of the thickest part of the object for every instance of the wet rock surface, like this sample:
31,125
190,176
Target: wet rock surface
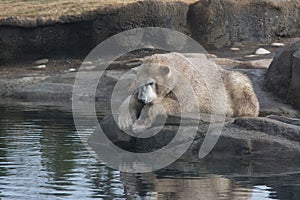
47,91
247,138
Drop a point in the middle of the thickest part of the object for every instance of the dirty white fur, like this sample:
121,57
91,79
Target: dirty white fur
163,81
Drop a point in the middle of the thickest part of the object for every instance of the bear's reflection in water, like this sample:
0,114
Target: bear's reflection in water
182,188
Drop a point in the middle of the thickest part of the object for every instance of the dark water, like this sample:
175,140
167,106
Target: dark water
42,157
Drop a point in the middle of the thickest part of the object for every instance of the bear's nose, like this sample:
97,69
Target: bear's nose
143,100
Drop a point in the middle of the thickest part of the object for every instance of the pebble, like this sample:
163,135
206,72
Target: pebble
235,49
89,67
39,67
262,51
210,55
87,63
41,61
277,44
71,70
250,56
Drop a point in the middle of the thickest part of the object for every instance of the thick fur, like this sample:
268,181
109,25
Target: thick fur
164,80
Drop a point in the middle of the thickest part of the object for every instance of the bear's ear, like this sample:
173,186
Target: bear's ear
164,70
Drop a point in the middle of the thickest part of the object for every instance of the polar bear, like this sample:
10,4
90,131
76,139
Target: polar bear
163,80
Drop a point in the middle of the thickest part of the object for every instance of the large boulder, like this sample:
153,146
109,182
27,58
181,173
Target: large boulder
77,35
283,75
172,15
217,23
273,136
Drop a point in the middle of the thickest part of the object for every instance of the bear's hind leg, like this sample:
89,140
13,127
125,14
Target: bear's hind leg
243,100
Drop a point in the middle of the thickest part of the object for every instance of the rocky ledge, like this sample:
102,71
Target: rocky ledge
213,23
271,137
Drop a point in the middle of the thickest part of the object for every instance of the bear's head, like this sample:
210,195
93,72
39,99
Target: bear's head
154,82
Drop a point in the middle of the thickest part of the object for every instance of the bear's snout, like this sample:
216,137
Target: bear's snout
143,100
146,94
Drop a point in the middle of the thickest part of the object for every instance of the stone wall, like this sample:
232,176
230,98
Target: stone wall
218,23
213,23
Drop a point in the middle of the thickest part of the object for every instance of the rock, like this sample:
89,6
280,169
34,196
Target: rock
133,64
255,64
219,23
15,43
199,55
8,86
71,70
212,23
277,44
283,75
294,91
269,104
41,61
262,51
244,138
292,121
235,49
3,88
140,14
39,67
226,62
87,63
125,64
211,56
250,56
18,21
88,67
45,91
272,126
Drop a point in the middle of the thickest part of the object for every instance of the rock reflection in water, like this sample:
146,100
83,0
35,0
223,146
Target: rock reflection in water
42,157
197,188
